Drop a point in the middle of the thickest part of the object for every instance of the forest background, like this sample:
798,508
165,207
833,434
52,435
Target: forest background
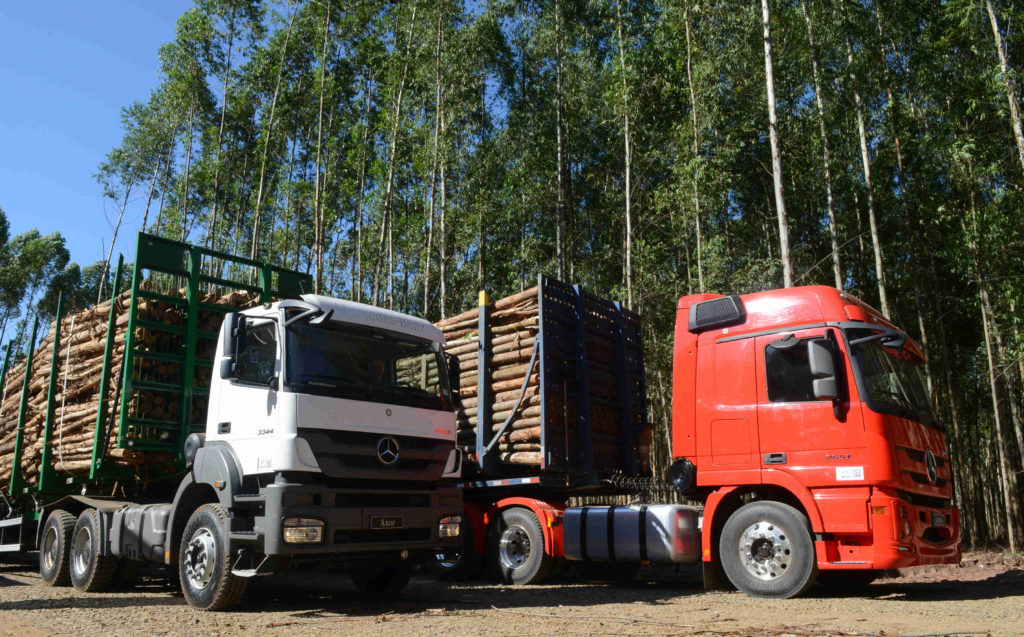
408,154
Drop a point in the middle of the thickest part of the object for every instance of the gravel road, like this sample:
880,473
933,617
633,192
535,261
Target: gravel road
984,595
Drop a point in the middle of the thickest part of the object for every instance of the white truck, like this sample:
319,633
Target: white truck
329,428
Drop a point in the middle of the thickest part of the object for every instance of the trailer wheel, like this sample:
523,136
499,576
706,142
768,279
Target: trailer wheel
54,550
381,580
767,550
204,562
90,570
458,563
517,541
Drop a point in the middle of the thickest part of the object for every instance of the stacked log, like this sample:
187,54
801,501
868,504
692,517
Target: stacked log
79,370
513,326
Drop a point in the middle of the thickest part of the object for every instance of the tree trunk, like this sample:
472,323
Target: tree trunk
389,194
866,164
163,182
443,238
560,159
826,152
627,155
1006,476
318,221
1008,84
362,192
113,240
211,232
188,167
773,130
433,161
254,251
696,156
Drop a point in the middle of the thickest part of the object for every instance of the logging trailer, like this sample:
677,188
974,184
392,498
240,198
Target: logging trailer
800,430
305,428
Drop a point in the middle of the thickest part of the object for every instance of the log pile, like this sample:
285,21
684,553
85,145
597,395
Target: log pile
79,367
514,324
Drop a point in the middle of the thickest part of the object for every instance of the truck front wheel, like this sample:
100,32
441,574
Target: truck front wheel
91,571
54,551
517,541
767,551
204,562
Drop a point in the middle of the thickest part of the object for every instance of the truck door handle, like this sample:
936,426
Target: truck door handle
224,427
775,458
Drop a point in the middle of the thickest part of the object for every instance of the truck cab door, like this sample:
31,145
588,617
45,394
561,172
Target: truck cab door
247,409
726,414
819,441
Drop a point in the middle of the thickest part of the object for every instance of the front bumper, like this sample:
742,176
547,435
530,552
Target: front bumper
347,515
907,534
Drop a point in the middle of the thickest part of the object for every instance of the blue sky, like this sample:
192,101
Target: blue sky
66,70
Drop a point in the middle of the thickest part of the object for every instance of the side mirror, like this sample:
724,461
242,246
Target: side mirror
234,335
228,332
454,372
823,370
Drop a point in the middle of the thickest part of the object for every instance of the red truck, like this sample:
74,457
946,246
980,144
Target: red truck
800,426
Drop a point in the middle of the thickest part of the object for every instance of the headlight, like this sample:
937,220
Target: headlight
303,531
449,527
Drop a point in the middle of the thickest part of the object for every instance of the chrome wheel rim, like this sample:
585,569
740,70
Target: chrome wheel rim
514,547
766,550
50,548
200,555
81,551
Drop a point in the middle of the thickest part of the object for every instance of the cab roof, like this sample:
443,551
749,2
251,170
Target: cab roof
372,316
794,307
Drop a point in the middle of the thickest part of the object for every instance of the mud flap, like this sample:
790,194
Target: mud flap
714,577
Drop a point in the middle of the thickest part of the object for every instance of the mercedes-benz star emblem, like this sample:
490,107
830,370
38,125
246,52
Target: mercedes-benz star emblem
931,467
387,451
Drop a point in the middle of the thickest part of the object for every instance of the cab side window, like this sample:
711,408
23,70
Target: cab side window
255,362
789,373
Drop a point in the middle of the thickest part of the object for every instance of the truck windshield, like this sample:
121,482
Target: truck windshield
894,379
363,363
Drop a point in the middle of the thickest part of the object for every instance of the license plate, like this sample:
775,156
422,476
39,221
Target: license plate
386,522
938,519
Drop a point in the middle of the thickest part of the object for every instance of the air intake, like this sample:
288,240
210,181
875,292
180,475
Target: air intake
720,312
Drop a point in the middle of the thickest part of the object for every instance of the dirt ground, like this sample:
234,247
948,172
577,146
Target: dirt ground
983,596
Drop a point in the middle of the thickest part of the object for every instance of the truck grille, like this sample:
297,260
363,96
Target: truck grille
353,455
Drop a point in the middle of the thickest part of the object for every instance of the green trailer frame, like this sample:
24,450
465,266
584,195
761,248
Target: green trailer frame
198,270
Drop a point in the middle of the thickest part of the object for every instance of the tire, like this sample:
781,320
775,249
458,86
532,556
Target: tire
607,571
55,548
91,572
204,562
767,551
381,580
517,546
458,563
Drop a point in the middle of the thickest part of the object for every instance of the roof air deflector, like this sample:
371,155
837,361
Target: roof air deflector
715,313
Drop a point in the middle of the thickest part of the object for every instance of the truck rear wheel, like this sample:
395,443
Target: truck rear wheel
458,563
204,562
90,570
54,550
381,580
767,550
517,541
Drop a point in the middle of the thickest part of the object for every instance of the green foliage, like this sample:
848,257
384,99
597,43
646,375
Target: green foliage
947,198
